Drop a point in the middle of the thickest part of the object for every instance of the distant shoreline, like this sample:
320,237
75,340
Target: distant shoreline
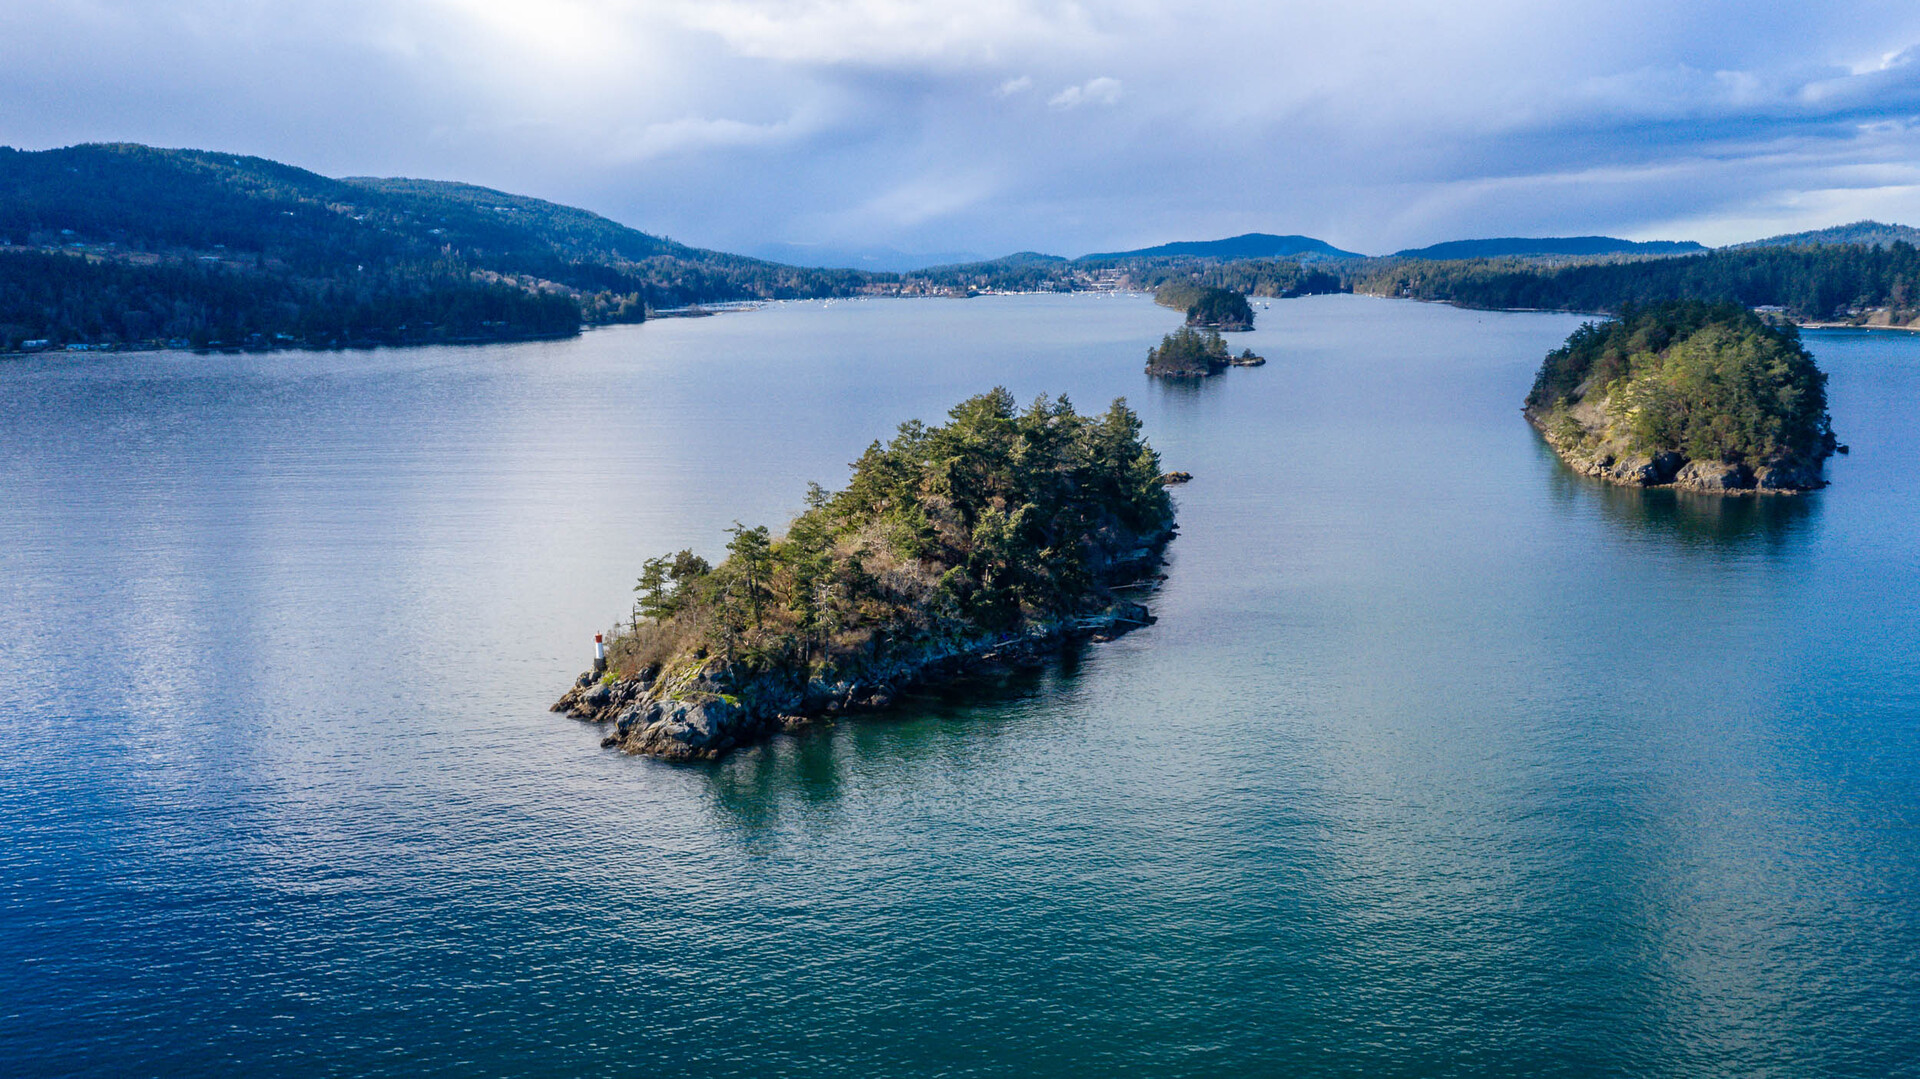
240,350
1855,326
738,306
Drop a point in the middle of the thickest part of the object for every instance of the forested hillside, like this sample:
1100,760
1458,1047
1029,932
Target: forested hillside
1548,247
193,247
1820,282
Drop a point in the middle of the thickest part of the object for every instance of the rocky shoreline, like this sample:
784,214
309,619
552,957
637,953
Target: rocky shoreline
702,709
703,713
1599,459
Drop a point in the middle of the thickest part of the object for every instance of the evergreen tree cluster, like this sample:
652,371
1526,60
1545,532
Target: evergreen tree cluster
68,299
1713,382
1276,278
1810,282
1189,353
999,518
1214,308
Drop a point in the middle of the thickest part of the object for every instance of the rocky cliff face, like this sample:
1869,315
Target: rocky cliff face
1581,436
1710,397
712,707
706,706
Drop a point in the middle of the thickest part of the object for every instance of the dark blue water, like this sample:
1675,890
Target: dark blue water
1440,760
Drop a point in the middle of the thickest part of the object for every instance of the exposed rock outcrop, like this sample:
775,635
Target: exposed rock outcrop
1706,397
712,707
1580,435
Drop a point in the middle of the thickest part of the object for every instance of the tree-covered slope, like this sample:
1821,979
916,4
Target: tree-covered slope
274,248
1251,245
1871,233
1707,395
1000,526
1809,282
1548,246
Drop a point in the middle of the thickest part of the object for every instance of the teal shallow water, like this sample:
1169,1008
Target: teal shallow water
1440,760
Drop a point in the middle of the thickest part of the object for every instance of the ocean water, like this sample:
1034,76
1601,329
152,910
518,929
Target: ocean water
1440,760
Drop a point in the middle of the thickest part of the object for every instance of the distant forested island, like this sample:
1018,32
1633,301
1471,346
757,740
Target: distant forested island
1702,396
1207,308
1193,353
988,539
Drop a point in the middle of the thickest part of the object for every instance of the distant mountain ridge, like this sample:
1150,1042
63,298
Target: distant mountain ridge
1018,259
1251,245
116,244
158,200
1870,233
1548,246
877,260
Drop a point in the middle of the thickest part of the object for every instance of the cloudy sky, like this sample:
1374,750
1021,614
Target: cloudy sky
836,128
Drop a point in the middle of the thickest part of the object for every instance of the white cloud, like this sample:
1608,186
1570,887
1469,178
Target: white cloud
1100,91
888,32
688,134
1377,124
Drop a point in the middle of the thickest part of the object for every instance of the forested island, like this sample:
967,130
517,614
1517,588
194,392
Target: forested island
989,539
1191,353
1708,397
1208,308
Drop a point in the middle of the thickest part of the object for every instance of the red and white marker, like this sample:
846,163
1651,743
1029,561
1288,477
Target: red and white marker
599,652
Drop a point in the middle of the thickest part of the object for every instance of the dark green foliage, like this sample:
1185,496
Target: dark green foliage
1265,277
1188,353
243,246
667,583
369,261
1547,247
1873,233
1221,309
1711,381
1251,245
1816,282
70,299
1603,351
999,517
1218,308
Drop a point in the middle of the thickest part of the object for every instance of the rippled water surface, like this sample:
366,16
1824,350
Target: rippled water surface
1440,760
